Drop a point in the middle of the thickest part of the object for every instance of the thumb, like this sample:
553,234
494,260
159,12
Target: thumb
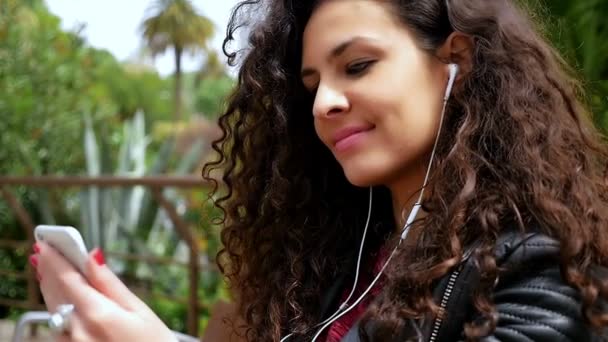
105,281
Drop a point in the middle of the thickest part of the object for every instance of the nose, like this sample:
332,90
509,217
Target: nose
329,101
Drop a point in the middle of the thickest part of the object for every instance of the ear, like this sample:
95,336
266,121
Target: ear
458,48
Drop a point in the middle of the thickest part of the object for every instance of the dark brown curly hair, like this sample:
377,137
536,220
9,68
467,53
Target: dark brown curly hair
517,148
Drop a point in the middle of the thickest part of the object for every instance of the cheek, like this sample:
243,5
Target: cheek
321,132
410,122
413,109
411,97
406,127
413,128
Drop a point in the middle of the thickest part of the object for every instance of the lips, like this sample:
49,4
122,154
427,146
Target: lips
347,132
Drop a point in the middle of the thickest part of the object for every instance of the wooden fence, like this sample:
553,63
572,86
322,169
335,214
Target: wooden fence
156,184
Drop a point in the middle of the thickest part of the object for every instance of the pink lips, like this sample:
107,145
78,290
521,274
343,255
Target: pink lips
349,136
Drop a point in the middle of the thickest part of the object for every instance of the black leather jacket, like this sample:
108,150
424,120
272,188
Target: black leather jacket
533,301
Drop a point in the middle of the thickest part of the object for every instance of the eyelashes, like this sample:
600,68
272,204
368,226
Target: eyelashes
352,70
358,68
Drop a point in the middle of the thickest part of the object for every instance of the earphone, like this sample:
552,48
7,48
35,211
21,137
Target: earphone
345,307
453,72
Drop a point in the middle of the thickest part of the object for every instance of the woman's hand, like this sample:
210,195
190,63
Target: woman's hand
105,309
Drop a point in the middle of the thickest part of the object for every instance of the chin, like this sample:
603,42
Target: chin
368,169
362,176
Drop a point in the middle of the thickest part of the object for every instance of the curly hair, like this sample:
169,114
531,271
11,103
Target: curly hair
518,148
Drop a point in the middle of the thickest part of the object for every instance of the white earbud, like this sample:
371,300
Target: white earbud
453,72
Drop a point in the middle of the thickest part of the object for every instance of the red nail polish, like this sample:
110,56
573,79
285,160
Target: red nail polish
98,256
36,248
34,260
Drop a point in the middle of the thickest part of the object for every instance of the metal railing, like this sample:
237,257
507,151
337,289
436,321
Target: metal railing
156,184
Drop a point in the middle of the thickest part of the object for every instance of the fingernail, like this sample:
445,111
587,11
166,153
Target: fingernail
98,256
34,260
36,248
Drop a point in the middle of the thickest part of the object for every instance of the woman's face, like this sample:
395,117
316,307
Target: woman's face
378,97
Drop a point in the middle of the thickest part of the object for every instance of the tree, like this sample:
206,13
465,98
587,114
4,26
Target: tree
579,30
212,67
211,86
210,95
176,25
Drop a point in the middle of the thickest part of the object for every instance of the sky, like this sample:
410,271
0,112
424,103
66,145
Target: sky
114,25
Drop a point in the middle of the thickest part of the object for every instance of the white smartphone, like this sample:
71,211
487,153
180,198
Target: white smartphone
67,240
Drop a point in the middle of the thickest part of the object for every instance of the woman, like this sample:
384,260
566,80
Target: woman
396,170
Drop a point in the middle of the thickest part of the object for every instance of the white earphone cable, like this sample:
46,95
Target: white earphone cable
345,307
345,304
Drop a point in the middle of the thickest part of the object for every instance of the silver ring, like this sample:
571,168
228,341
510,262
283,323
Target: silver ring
59,322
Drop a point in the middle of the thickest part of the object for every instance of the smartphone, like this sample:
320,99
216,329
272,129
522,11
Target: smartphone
67,241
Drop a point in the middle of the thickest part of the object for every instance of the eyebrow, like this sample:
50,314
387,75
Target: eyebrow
336,52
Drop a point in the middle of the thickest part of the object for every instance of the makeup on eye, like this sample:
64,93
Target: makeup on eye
358,53
358,67
354,68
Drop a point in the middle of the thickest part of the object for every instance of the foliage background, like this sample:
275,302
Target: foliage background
51,84
51,80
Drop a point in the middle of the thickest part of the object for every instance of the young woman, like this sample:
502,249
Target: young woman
396,170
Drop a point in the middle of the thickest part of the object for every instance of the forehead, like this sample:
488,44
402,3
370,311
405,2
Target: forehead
334,21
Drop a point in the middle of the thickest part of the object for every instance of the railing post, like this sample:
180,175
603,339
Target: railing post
193,263
28,226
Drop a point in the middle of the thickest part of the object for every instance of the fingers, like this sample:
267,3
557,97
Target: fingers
105,310
77,331
62,283
84,329
105,281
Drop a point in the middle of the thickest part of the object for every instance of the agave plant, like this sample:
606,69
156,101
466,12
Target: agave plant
128,220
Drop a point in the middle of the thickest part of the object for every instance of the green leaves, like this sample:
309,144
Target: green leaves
580,30
50,79
69,109
210,95
176,23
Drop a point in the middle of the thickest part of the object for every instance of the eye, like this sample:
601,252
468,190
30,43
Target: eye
311,91
357,68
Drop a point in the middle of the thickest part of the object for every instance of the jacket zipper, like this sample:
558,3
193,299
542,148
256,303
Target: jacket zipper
444,303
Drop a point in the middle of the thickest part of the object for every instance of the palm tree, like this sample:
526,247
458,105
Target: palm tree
212,67
176,24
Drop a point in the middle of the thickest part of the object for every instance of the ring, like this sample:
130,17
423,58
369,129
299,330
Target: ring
59,322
